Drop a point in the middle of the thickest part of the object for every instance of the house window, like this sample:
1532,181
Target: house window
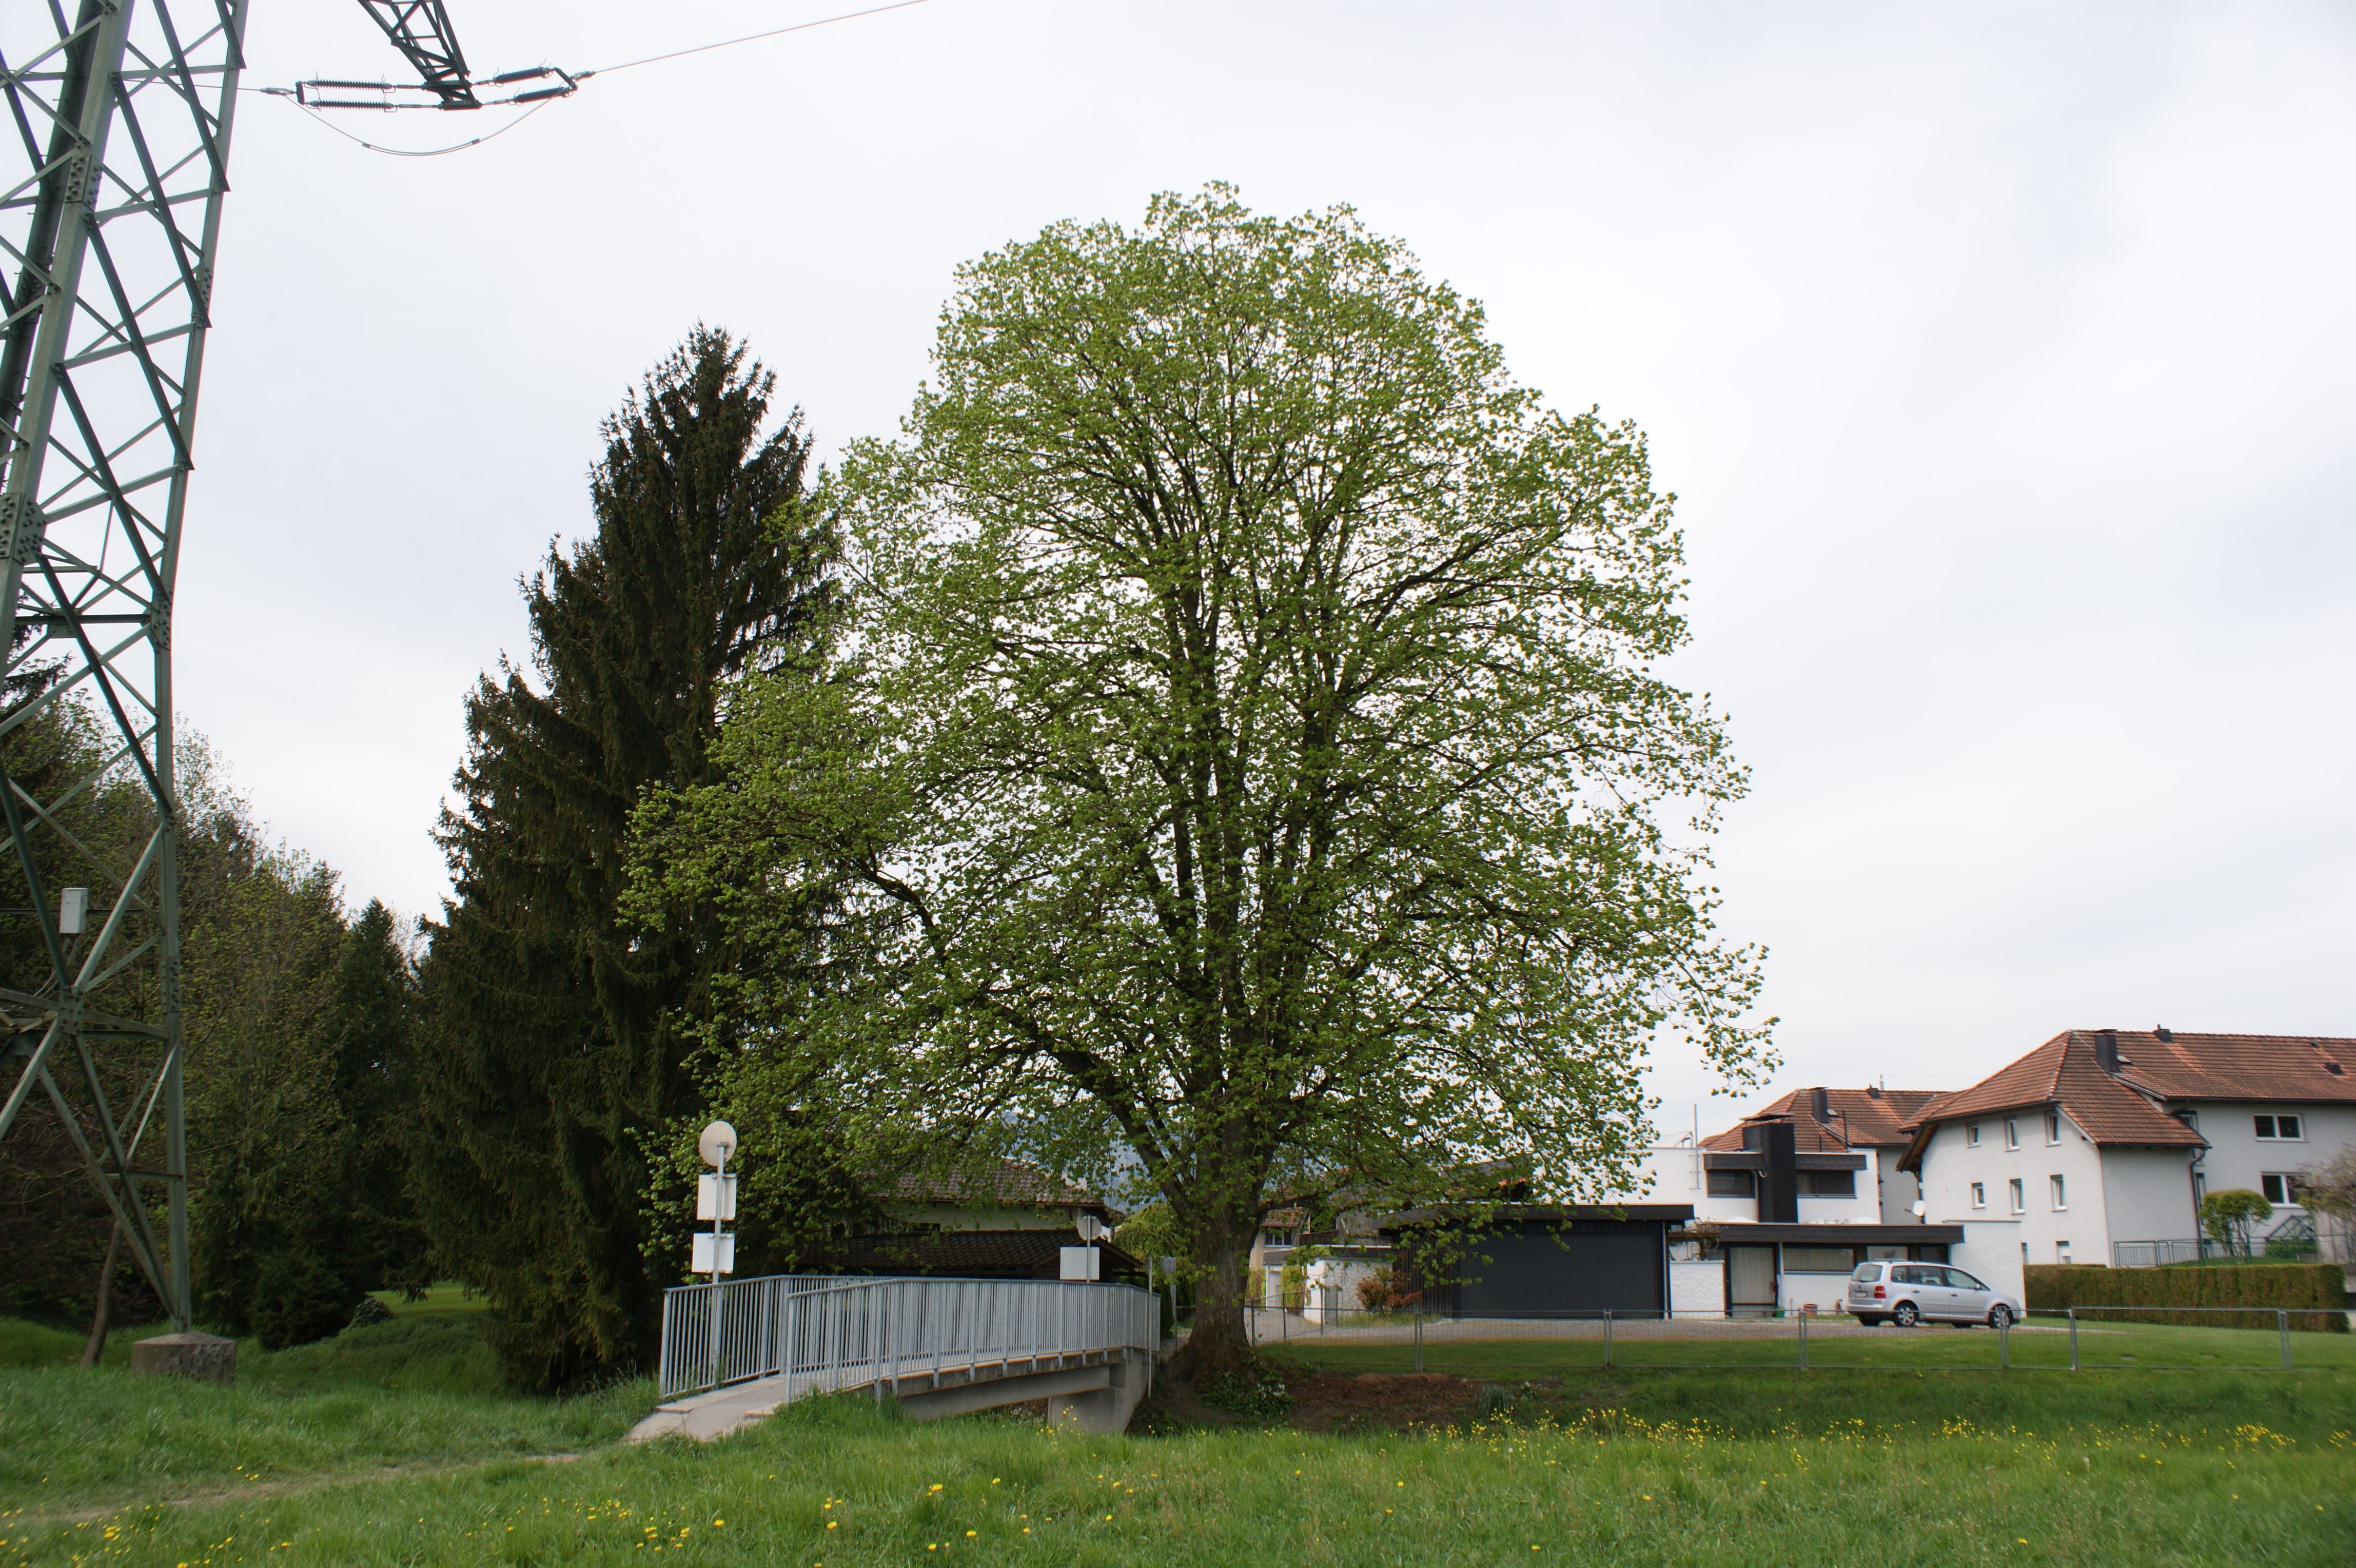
1979,1195
2018,1203
1731,1184
1827,1184
2280,1187
2053,1126
1971,1135
2278,1127
2011,1133
2061,1193
1818,1260
2060,1251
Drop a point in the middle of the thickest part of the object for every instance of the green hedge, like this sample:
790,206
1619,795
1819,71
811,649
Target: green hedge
2319,1289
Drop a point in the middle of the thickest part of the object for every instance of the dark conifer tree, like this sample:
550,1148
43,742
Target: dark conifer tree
557,1040
371,1020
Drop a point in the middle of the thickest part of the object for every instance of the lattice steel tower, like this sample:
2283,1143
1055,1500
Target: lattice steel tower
110,217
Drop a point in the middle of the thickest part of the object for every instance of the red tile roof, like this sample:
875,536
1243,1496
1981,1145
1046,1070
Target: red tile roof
1859,1119
2185,1066
2163,1065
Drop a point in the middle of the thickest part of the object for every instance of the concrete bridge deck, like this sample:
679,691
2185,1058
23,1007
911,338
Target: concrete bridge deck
1090,1390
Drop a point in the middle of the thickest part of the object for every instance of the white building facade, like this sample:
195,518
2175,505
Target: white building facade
2101,1144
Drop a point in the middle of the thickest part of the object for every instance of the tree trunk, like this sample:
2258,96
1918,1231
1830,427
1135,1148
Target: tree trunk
97,1345
1218,1345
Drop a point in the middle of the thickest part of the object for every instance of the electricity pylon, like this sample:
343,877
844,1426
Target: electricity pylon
111,221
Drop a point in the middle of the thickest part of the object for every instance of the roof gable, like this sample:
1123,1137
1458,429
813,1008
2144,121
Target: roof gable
2065,1071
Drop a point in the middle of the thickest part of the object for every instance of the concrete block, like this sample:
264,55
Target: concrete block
205,1355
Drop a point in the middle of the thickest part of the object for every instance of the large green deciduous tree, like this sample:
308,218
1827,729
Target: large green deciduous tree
1251,751
557,1043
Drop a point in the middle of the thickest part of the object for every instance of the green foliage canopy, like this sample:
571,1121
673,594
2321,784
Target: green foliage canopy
558,1042
1252,754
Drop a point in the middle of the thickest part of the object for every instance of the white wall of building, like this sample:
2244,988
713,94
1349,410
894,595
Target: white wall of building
2238,1157
1698,1286
1990,1249
2075,1229
1674,1174
2148,1196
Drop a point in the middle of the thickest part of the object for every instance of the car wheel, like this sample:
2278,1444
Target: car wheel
1999,1317
1871,1322
1906,1315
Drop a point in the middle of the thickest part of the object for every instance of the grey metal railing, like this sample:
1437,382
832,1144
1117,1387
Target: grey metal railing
825,1333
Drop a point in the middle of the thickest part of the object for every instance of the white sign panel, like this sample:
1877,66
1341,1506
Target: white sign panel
708,1246
715,1198
1080,1262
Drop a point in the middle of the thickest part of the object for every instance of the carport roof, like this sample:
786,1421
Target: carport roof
1507,1213
1739,1233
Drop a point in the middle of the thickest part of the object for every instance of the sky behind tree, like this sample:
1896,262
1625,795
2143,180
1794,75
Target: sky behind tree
1998,356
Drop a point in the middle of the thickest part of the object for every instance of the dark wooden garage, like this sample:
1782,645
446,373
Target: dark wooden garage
1533,1259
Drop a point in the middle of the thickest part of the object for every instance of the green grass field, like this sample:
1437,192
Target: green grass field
422,1391
1573,1466
1836,1343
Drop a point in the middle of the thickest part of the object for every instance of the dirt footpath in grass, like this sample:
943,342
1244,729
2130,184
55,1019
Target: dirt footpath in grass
1346,1401
1326,1400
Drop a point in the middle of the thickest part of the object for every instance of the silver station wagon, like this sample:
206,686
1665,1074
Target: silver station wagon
1909,1293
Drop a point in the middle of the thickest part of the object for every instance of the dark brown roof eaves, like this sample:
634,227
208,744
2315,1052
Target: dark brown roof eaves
1013,1184
975,1254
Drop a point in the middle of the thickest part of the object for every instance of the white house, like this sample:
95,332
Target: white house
1791,1198
2101,1143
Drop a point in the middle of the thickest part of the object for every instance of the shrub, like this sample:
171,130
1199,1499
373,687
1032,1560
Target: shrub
1381,1292
2316,1293
369,1310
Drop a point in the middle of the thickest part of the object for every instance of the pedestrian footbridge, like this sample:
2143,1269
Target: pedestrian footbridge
733,1352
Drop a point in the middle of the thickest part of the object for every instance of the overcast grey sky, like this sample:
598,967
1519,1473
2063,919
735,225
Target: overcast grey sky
2000,357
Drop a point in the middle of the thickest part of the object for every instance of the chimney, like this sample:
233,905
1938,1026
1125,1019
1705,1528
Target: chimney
2163,1031
1750,1134
1820,1107
2106,1050
1779,1183
1873,1091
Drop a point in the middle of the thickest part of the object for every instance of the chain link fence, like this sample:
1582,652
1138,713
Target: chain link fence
2079,1338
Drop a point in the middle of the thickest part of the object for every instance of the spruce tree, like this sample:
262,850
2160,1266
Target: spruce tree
557,1040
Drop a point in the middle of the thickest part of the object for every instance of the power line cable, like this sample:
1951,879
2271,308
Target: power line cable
753,37
575,78
422,152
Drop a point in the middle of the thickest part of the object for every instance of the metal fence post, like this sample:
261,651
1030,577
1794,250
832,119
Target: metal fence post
1418,1339
2004,1345
2073,1338
1607,1338
1803,1341
2282,1325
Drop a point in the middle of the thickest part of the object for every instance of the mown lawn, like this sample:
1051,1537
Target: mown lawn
2144,1467
1832,1344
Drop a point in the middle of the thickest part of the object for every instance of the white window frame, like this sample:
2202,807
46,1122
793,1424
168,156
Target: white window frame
2060,1251
2058,1189
2012,1132
2019,1198
2282,1180
2052,1128
1971,1135
1979,1195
